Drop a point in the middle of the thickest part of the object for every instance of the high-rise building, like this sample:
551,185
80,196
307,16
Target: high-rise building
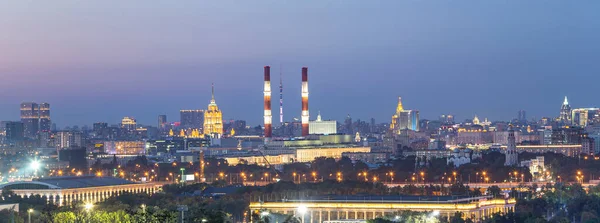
213,118
44,112
68,139
583,116
348,128
511,149
191,119
565,112
14,131
128,123
30,117
162,122
320,127
35,118
522,116
404,119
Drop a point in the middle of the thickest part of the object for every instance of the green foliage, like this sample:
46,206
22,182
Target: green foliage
64,217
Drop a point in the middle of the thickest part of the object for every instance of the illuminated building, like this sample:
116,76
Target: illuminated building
320,127
128,123
511,152
565,112
88,189
305,114
213,118
404,119
476,120
259,159
583,116
191,119
30,117
320,209
367,157
68,139
474,134
310,154
44,112
462,156
536,167
125,147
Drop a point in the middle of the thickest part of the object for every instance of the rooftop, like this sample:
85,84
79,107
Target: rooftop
67,182
392,198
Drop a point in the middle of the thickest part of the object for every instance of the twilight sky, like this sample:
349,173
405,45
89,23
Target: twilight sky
102,60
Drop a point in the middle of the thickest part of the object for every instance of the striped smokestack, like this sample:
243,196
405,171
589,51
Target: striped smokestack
305,114
268,117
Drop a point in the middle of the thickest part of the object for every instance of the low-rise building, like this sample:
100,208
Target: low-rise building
329,208
88,189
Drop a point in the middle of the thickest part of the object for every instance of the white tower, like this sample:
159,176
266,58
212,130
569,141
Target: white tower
511,149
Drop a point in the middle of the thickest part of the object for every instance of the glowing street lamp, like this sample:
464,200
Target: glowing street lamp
88,207
302,209
29,211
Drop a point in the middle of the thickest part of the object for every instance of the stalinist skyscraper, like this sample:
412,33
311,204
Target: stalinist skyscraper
512,155
213,118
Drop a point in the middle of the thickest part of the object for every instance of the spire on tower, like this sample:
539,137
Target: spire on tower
566,102
399,108
213,92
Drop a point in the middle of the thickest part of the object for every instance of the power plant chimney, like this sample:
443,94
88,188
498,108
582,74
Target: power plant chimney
305,114
268,117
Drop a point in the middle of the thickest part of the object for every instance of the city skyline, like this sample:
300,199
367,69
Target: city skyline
443,58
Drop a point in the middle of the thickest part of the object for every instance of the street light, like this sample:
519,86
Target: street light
88,207
302,209
29,211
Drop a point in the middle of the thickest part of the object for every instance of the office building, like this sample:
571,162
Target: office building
191,119
68,139
320,127
583,116
30,117
14,131
44,114
213,118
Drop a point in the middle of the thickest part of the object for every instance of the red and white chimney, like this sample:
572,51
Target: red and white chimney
305,115
267,93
